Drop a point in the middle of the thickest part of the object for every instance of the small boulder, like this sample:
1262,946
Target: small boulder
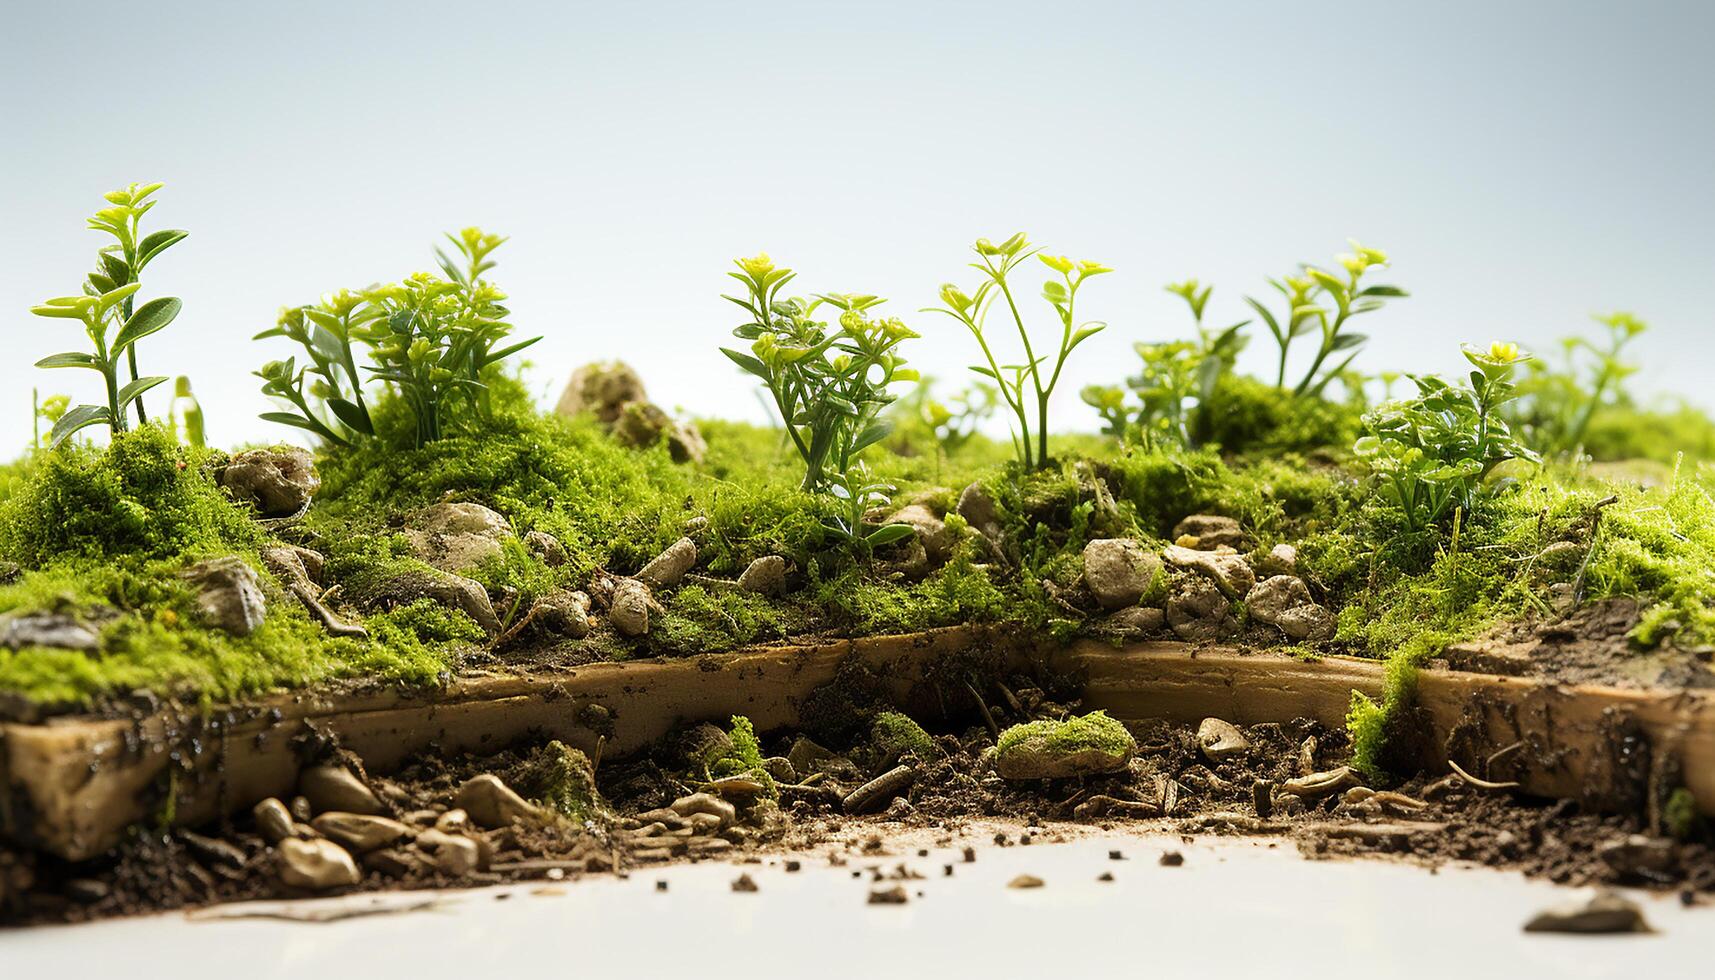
1603,911
602,389
1229,571
1282,559
1206,532
764,576
546,547
1221,740
337,788
1283,601
359,833
630,609
666,569
316,864
931,531
1197,611
491,803
229,595
977,507
1082,746
643,423
450,853
48,630
278,481
273,820
457,535
1118,571
685,806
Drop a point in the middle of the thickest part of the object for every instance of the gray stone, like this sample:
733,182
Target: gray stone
764,576
1637,855
1283,601
1134,621
630,609
450,853
229,595
1604,911
48,630
337,788
1282,559
278,481
1197,611
644,423
457,535
1229,571
317,865
685,806
1221,740
602,389
359,832
669,567
978,509
1118,571
492,803
931,531
563,612
444,588
546,547
1208,532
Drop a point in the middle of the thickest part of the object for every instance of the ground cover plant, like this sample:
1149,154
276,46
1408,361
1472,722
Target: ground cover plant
444,522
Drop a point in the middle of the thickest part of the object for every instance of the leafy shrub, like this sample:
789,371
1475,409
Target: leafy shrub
1433,452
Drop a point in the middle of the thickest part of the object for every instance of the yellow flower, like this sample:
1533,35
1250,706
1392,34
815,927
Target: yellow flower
1503,352
757,266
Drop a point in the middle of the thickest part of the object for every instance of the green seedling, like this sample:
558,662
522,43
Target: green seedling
112,319
1024,386
1557,403
1309,297
1433,452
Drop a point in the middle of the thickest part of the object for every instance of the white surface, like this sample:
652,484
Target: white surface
1235,909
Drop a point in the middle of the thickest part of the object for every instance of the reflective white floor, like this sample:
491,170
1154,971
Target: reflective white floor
1237,908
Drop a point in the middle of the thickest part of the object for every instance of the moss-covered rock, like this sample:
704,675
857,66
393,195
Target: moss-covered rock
894,735
561,779
1083,746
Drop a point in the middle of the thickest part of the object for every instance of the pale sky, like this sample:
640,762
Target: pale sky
1526,164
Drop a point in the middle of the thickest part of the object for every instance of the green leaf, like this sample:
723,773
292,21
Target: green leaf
876,432
289,418
353,416
147,319
748,363
155,243
133,390
887,534
70,359
78,418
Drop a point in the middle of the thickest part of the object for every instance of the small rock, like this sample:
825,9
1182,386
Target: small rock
1135,621
1172,859
1636,855
684,806
337,788
931,531
1209,531
278,481
643,424
451,854
301,809
602,389
1118,571
780,769
1228,571
1026,881
703,824
1082,746
86,891
213,849
294,564
1604,911
1198,611
882,789
316,864
805,754
667,568
229,595
1320,784
454,821
1105,876
48,630
744,883
391,861
454,536
764,576
1220,740
359,832
630,609
546,547
444,588
491,803
895,895
563,612
1282,559
978,509
1284,601
701,745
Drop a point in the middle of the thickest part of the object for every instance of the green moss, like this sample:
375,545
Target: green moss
894,736
1680,816
1092,731
562,779
1252,416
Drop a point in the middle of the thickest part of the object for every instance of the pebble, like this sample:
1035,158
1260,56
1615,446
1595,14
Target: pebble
667,568
706,803
491,803
744,883
1026,881
889,896
1118,571
359,832
316,864
451,853
764,576
1172,859
1604,911
273,820
337,788
1221,740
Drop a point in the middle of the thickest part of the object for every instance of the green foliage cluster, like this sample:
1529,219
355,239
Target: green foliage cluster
1557,402
434,342
110,315
1022,385
1092,731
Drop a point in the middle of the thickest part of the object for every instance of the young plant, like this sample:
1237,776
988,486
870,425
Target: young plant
1433,452
1217,350
829,386
1024,386
431,340
112,319
1308,298
858,493
1557,404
